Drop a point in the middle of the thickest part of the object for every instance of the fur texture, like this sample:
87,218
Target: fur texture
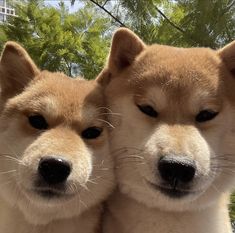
69,107
163,95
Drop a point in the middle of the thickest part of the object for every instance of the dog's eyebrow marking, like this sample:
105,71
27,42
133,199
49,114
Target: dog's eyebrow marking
157,96
203,99
51,105
46,105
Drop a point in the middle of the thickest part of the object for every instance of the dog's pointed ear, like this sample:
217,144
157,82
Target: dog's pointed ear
16,69
126,46
227,53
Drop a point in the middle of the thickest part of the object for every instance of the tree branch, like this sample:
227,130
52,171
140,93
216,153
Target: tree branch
109,13
169,21
230,5
176,26
105,3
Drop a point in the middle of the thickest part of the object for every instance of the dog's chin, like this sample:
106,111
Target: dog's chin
43,205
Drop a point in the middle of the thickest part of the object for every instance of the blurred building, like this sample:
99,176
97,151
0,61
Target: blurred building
6,10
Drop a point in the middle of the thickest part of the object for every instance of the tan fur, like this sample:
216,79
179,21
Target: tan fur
69,106
178,83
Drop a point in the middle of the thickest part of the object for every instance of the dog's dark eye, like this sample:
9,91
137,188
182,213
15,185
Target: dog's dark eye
38,122
91,133
148,110
206,115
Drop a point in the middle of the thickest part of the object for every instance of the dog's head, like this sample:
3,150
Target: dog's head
53,140
173,142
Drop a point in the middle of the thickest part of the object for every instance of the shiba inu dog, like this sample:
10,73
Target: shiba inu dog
174,140
55,168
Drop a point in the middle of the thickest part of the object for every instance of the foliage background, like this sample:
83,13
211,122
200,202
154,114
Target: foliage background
77,43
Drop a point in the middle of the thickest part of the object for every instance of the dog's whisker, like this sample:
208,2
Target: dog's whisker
110,114
91,181
11,149
103,179
83,203
123,154
84,186
125,148
11,158
130,160
7,172
130,156
107,122
130,165
103,169
104,108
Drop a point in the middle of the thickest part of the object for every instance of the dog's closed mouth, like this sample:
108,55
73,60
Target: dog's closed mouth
52,193
49,193
172,192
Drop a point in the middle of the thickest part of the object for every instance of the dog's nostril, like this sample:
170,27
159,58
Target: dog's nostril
54,170
176,170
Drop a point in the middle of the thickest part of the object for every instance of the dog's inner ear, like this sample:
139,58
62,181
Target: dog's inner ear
227,54
16,69
126,46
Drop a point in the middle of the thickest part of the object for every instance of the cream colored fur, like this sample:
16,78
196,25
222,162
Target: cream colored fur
69,106
178,84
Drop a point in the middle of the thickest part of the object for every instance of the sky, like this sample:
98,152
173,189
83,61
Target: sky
73,8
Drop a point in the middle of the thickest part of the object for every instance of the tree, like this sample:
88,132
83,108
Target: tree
2,38
180,23
58,41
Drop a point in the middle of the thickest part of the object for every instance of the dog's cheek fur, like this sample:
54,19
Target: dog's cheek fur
11,159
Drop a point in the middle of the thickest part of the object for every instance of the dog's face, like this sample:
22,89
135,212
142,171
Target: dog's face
53,140
173,141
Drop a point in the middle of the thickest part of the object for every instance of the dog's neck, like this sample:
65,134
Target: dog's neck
127,215
12,220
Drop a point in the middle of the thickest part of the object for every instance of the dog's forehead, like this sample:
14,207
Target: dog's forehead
181,70
72,91
58,95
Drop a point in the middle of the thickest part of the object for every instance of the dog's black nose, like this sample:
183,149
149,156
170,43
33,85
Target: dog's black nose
174,171
54,170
